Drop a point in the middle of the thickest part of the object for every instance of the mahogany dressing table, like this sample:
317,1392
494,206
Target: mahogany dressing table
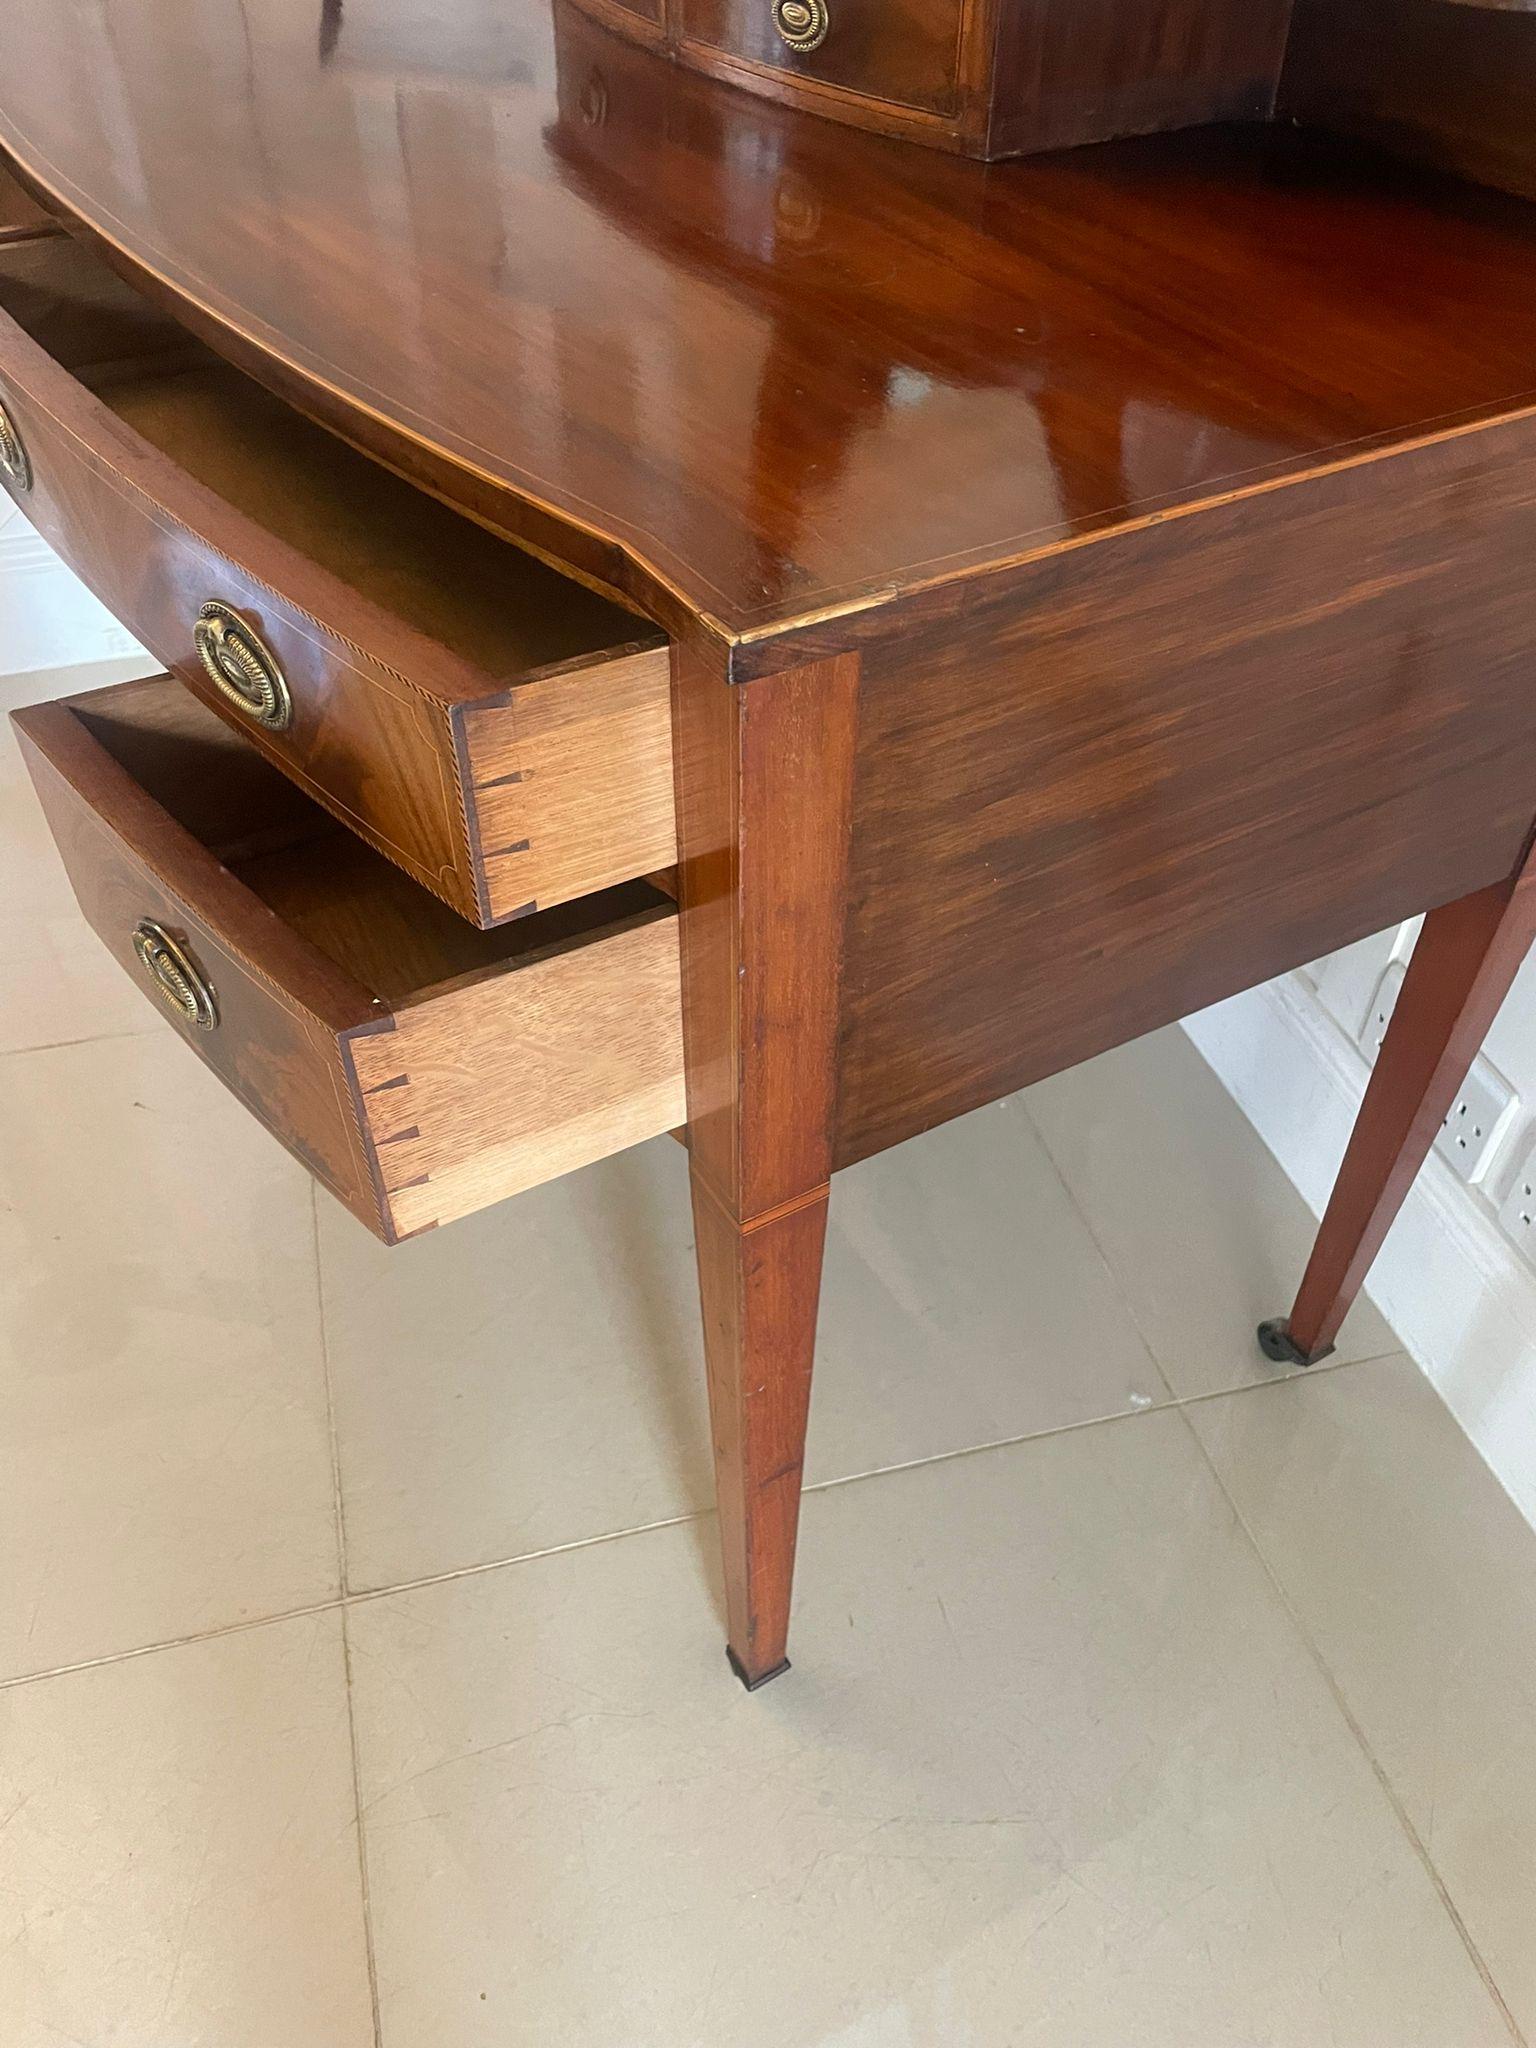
706,585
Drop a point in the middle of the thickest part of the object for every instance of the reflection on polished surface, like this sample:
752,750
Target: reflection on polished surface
744,363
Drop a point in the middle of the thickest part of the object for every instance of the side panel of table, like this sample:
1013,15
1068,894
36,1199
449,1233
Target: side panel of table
1152,771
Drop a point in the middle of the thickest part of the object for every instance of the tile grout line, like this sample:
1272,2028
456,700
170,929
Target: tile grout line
205,1635
346,1636
370,1593
501,1564
1211,1394
1346,1712
1094,1239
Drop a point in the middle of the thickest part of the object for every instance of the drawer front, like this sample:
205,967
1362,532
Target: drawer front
274,1020
477,790
147,540
416,1110
905,51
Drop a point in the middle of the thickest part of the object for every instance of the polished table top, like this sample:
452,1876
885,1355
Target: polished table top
745,365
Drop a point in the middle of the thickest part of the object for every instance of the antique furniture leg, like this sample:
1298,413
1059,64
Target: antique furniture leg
763,785
1467,955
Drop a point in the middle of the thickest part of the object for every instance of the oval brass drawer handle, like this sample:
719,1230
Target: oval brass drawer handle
175,976
803,24
241,668
14,464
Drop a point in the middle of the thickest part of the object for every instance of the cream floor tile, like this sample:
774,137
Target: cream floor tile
1204,1233
1054,1770
164,1448
60,983
535,1375
179,1864
1416,1577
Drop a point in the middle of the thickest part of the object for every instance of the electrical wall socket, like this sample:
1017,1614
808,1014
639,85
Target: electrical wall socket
1478,1123
1379,1015
1517,1211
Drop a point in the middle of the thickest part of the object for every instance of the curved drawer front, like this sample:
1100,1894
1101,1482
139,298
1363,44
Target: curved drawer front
905,52
279,1010
438,762
417,1067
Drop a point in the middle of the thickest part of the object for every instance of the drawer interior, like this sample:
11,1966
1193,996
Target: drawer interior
344,899
480,596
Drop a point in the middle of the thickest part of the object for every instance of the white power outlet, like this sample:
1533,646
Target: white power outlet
1517,1211
1379,1015
1479,1120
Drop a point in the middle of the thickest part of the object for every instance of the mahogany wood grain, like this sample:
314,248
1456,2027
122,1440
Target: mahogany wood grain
420,1068
284,1010
770,376
1463,966
166,479
903,51
764,784
759,1285
1076,71
992,78
1169,766
1450,85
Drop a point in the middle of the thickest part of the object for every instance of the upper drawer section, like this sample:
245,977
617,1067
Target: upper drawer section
904,51
499,731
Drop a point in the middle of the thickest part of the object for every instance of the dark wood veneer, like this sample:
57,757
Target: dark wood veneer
1150,774
418,1067
771,376
1452,85
494,728
989,78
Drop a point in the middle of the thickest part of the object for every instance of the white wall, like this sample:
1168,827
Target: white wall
47,618
1458,1294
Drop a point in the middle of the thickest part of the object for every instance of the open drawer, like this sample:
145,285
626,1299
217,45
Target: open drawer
421,1068
499,731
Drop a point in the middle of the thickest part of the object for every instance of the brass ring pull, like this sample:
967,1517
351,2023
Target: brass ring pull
243,671
14,465
803,24
174,975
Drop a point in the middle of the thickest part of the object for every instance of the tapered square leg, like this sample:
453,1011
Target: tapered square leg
1467,956
764,781
760,1284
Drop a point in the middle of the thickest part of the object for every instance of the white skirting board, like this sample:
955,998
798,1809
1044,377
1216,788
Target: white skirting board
1459,1296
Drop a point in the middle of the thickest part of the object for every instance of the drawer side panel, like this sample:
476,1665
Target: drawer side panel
570,783
492,1087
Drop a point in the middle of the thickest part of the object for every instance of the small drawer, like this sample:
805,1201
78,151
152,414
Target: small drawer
420,1068
906,52
499,731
